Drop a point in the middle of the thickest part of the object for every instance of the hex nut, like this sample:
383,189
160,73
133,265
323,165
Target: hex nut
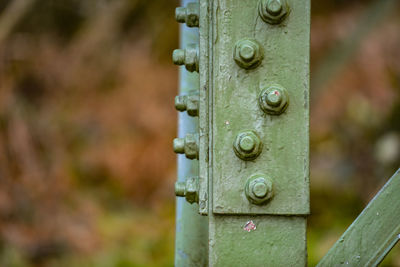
188,14
192,190
248,53
188,189
247,145
259,189
188,146
188,57
273,11
273,100
189,103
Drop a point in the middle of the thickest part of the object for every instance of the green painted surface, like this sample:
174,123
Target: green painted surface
276,241
235,108
373,233
229,105
205,70
191,242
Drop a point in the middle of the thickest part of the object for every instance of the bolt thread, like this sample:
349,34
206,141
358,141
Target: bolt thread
178,57
179,145
180,14
274,7
180,189
180,103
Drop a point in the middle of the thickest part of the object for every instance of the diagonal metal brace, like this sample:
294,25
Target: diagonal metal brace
373,234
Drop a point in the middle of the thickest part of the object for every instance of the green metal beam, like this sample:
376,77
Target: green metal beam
191,243
254,64
373,234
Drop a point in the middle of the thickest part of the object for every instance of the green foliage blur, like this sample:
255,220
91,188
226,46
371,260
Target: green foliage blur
87,119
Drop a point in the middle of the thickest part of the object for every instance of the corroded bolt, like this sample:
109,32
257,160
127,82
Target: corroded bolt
187,145
247,145
188,14
190,103
188,189
259,189
273,11
273,100
188,57
248,53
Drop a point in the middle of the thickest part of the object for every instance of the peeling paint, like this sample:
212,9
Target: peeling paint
250,226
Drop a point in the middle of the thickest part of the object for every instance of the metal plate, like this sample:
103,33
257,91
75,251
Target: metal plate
235,108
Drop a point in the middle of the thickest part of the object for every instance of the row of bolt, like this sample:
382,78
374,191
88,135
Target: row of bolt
273,100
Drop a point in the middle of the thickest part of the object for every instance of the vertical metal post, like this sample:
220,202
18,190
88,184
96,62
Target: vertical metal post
191,242
258,88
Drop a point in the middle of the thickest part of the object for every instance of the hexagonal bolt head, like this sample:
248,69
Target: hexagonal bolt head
259,189
273,11
188,57
188,189
188,146
190,103
273,100
188,14
248,53
247,145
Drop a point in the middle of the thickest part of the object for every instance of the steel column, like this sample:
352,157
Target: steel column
191,242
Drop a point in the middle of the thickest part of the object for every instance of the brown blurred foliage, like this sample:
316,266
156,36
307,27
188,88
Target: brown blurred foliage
87,119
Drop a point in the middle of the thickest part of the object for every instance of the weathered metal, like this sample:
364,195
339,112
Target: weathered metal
373,234
257,202
187,57
248,53
189,103
187,145
243,231
191,241
274,100
188,189
234,95
247,145
256,195
259,189
273,11
188,14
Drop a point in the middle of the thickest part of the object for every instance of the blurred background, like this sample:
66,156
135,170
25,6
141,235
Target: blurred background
87,122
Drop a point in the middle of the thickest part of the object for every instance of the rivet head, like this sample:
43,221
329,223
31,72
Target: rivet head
248,53
247,145
273,11
259,189
273,100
